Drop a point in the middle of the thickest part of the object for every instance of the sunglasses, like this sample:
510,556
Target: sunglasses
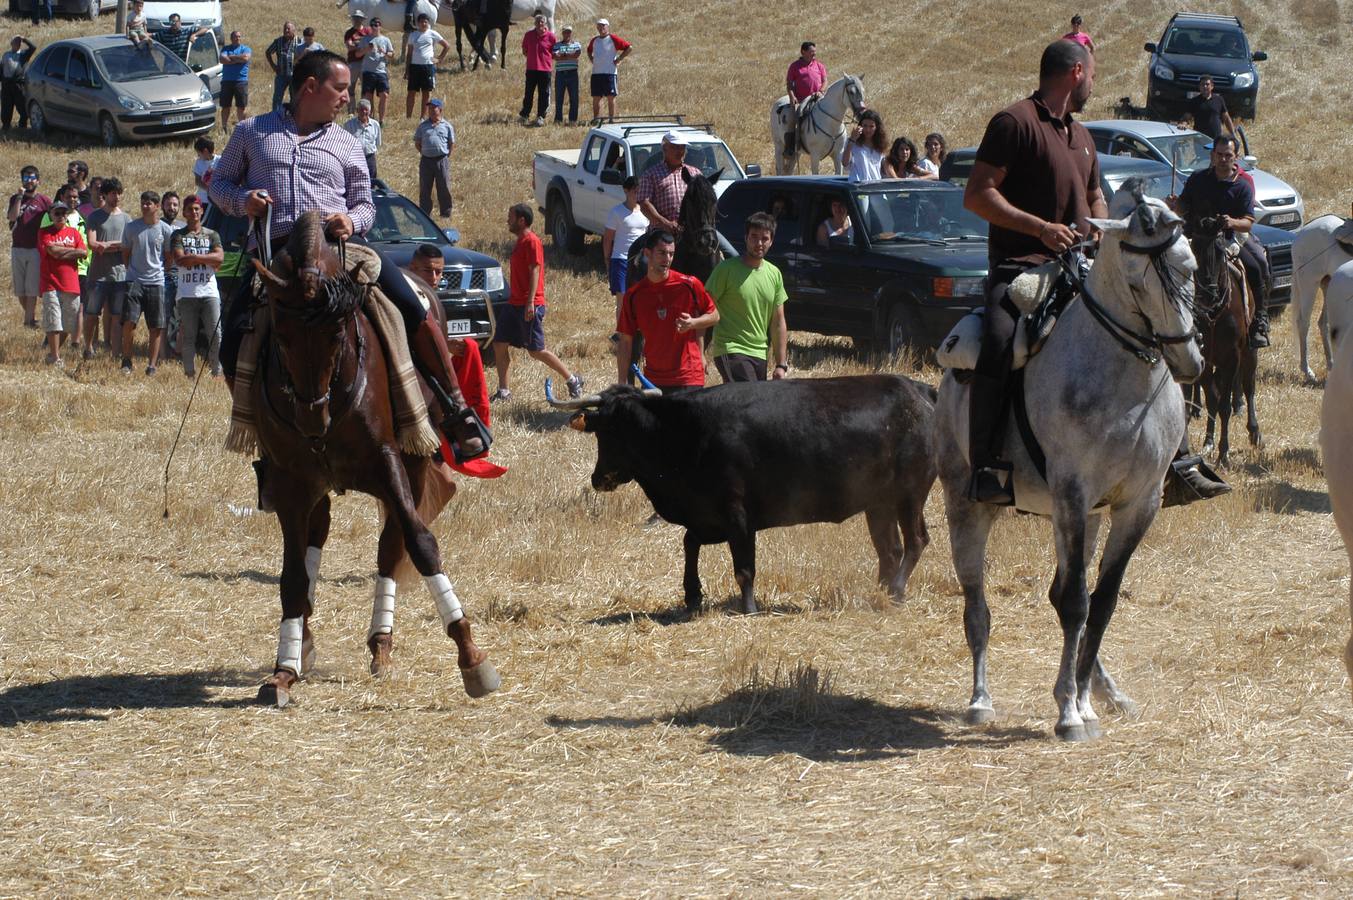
28,178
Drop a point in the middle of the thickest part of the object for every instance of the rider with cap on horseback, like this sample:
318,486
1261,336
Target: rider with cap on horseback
804,81
1036,180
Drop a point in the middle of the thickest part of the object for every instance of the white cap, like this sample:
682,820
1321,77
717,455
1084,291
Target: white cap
357,14
603,21
565,28
674,137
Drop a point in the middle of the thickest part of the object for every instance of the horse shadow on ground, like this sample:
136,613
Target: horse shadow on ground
258,577
838,728
534,418
679,615
1288,499
93,698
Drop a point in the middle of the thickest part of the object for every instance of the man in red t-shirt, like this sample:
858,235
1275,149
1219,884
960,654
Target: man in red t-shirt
670,310
61,248
521,321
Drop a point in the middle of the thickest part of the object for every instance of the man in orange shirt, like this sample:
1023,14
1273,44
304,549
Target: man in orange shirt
671,310
521,321
61,248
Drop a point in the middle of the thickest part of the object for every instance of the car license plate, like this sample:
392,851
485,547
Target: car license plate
1283,218
1282,281
458,326
179,119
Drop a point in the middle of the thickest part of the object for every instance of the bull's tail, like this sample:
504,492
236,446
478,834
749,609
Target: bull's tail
438,489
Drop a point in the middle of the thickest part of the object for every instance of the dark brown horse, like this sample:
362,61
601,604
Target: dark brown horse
323,413
1229,362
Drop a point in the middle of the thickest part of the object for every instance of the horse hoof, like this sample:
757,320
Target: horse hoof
979,715
1074,734
381,647
270,694
481,680
1123,706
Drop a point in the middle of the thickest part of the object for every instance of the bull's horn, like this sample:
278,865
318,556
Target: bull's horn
589,402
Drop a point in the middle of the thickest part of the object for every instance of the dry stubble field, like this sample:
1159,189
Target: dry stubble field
814,750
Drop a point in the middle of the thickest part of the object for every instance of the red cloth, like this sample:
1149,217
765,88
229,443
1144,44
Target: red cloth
670,358
59,274
527,253
469,368
539,50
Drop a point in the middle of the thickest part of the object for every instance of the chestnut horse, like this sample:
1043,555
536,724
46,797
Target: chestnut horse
323,413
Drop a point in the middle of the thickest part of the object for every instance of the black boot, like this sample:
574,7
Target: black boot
1259,330
1189,480
791,143
992,477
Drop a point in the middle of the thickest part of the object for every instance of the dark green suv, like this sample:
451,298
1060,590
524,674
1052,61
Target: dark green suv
912,265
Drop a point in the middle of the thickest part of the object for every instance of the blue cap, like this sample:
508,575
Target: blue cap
435,102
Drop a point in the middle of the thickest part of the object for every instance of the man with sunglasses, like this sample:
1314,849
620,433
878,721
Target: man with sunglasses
25,220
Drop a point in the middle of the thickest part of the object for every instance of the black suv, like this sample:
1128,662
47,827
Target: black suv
912,266
1195,45
470,282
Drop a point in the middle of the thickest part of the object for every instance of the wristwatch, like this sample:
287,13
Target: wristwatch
780,366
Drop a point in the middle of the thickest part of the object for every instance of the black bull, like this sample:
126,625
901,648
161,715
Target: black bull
728,461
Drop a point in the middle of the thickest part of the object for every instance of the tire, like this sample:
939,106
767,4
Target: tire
37,119
565,235
899,332
108,135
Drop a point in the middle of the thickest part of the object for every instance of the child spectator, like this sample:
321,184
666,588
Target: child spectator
136,23
205,164
61,246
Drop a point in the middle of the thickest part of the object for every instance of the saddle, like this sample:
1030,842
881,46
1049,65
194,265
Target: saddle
1040,294
413,425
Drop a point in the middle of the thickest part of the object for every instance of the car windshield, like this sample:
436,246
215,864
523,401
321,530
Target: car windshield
148,61
918,215
1206,42
710,158
1186,152
1158,186
397,219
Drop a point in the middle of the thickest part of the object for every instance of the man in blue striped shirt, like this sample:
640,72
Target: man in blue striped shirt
295,160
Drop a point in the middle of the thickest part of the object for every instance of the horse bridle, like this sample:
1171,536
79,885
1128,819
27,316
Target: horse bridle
1149,347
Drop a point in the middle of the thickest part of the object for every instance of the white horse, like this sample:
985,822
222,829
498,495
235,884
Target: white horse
1336,446
1316,255
1101,403
822,132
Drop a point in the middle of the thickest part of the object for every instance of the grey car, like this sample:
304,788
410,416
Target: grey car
109,87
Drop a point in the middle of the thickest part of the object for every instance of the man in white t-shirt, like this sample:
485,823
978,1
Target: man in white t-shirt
203,165
606,51
421,72
196,253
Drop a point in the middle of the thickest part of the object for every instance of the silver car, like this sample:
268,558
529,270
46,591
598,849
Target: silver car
110,87
1276,202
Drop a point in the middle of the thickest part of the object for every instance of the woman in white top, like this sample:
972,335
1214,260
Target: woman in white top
864,151
625,224
935,150
901,160
837,225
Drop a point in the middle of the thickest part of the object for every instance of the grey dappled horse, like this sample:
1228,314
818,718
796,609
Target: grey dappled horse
822,133
1102,404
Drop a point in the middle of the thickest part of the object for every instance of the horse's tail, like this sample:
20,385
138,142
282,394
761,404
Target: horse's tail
437,490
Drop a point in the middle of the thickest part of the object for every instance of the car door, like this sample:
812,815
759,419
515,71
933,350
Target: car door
587,191
56,99
832,287
85,90
204,58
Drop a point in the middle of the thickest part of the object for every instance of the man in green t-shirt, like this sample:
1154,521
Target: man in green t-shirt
749,293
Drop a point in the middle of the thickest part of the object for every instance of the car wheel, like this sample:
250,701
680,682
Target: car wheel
563,232
37,119
108,131
900,331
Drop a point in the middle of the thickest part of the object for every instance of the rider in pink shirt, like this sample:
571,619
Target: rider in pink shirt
806,75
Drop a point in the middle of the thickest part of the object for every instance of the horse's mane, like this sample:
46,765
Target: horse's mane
699,206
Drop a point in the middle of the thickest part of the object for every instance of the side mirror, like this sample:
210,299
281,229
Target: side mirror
452,235
1259,56
1250,160
611,176
753,170
1149,48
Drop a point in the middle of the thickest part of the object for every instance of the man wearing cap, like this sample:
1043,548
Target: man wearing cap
421,72
566,53
662,186
352,40
606,51
537,45
280,55
368,133
434,139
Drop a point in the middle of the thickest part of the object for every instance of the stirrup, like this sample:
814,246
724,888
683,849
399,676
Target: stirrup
993,483
464,428
1190,479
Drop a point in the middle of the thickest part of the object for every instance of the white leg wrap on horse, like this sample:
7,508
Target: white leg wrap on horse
382,608
448,605
312,555
289,644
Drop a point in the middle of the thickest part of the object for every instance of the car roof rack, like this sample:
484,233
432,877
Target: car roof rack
655,122
1207,17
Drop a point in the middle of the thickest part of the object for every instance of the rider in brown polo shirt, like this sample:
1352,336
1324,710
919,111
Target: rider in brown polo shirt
1036,180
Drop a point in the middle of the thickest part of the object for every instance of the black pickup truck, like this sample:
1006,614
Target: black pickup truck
912,266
